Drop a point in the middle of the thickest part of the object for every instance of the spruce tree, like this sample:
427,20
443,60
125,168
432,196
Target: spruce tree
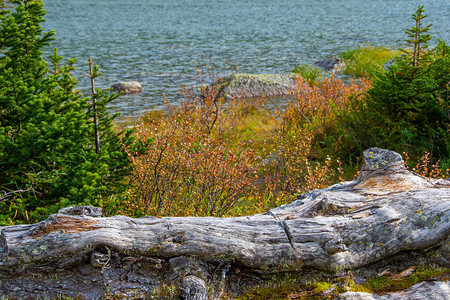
417,40
47,145
406,109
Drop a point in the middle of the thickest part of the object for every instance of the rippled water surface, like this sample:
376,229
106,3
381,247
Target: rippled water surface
159,42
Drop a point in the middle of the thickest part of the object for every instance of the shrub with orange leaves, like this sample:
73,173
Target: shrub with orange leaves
290,168
189,168
315,106
426,168
207,158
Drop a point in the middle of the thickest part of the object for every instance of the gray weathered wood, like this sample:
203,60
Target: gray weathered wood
386,211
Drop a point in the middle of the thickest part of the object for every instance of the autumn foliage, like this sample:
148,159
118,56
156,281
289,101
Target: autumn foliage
210,158
315,106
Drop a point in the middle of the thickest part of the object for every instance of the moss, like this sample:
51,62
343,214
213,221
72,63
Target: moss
264,293
165,292
296,286
321,286
292,286
360,288
386,284
290,292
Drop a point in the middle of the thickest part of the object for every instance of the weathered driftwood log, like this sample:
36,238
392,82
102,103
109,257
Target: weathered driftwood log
387,211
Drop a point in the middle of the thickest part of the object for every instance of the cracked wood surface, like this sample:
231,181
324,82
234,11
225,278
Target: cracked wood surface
350,225
324,229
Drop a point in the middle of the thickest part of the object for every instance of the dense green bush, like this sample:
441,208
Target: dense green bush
407,108
47,146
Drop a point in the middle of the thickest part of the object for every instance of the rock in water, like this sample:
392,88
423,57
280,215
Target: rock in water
258,85
331,63
127,87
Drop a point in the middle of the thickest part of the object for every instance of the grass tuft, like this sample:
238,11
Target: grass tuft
313,75
367,60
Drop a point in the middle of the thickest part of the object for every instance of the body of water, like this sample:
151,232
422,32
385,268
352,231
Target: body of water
159,42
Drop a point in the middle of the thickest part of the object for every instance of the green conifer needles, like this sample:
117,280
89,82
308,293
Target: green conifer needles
418,39
407,108
48,155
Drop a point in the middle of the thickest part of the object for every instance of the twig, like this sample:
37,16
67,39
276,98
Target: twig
10,194
92,75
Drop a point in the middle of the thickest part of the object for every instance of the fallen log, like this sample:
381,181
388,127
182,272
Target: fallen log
385,213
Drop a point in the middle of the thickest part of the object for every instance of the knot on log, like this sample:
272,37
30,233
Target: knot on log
193,288
384,171
335,246
100,256
81,210
179,239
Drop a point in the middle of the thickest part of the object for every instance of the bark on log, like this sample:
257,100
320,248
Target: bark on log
387,211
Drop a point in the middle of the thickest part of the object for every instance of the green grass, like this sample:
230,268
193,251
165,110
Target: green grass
367,60
312,74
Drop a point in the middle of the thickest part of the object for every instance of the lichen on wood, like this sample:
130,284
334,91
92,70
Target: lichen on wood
386,215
